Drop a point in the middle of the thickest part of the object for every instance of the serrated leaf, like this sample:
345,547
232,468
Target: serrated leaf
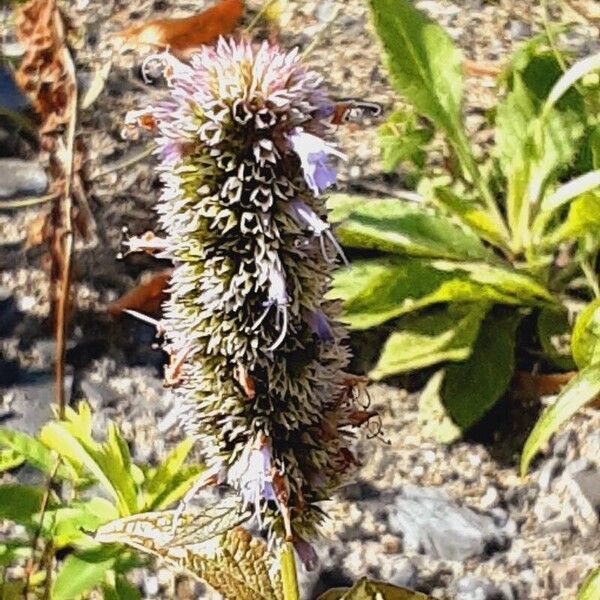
169,483
424,64
156,529
585,342
81,573
391,225
472,387
235,565
366,589
590,589
402,139
446,333
67,524
32,450
576,394
399,286
109,462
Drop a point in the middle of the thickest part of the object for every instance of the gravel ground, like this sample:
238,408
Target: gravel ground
453,521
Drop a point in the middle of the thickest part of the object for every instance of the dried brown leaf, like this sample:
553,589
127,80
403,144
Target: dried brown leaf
183,36
146,297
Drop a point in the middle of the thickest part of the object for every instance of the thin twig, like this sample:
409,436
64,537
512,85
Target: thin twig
317,37
24,202
257,17
67,245
128,161
38,532
21,121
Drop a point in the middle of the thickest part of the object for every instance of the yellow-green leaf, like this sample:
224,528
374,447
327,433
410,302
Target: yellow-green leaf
590,589
445,333
576,394
365,589
585,341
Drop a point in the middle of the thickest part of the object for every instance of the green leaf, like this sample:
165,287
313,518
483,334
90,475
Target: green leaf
554,331
177,487
120,590
9,459
81,573
583,219
391,225
66,524
533,146
354,282
20,503
472,387
403,139
424,64
471,214
171,480
401,285
341,205
109,462
446,333
585,342
433,416
576,394
590,589
366,589
32,450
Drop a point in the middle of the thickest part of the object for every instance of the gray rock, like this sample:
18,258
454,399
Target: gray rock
561,445
548,472
21,177
434,524
98,394
478,588
404,573
519,30
547,507
491,498
577,466
32,402
585,490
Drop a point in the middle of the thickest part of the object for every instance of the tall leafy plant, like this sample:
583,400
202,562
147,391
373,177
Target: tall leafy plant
478,261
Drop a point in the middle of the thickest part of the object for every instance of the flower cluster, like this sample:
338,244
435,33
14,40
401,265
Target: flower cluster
257,356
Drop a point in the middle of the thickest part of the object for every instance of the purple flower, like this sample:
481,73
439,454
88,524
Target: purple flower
305,215
314,153
251,474
318,322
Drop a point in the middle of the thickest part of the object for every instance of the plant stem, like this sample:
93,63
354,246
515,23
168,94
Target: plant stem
461,147
263,9
127,161
25,202
288,573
